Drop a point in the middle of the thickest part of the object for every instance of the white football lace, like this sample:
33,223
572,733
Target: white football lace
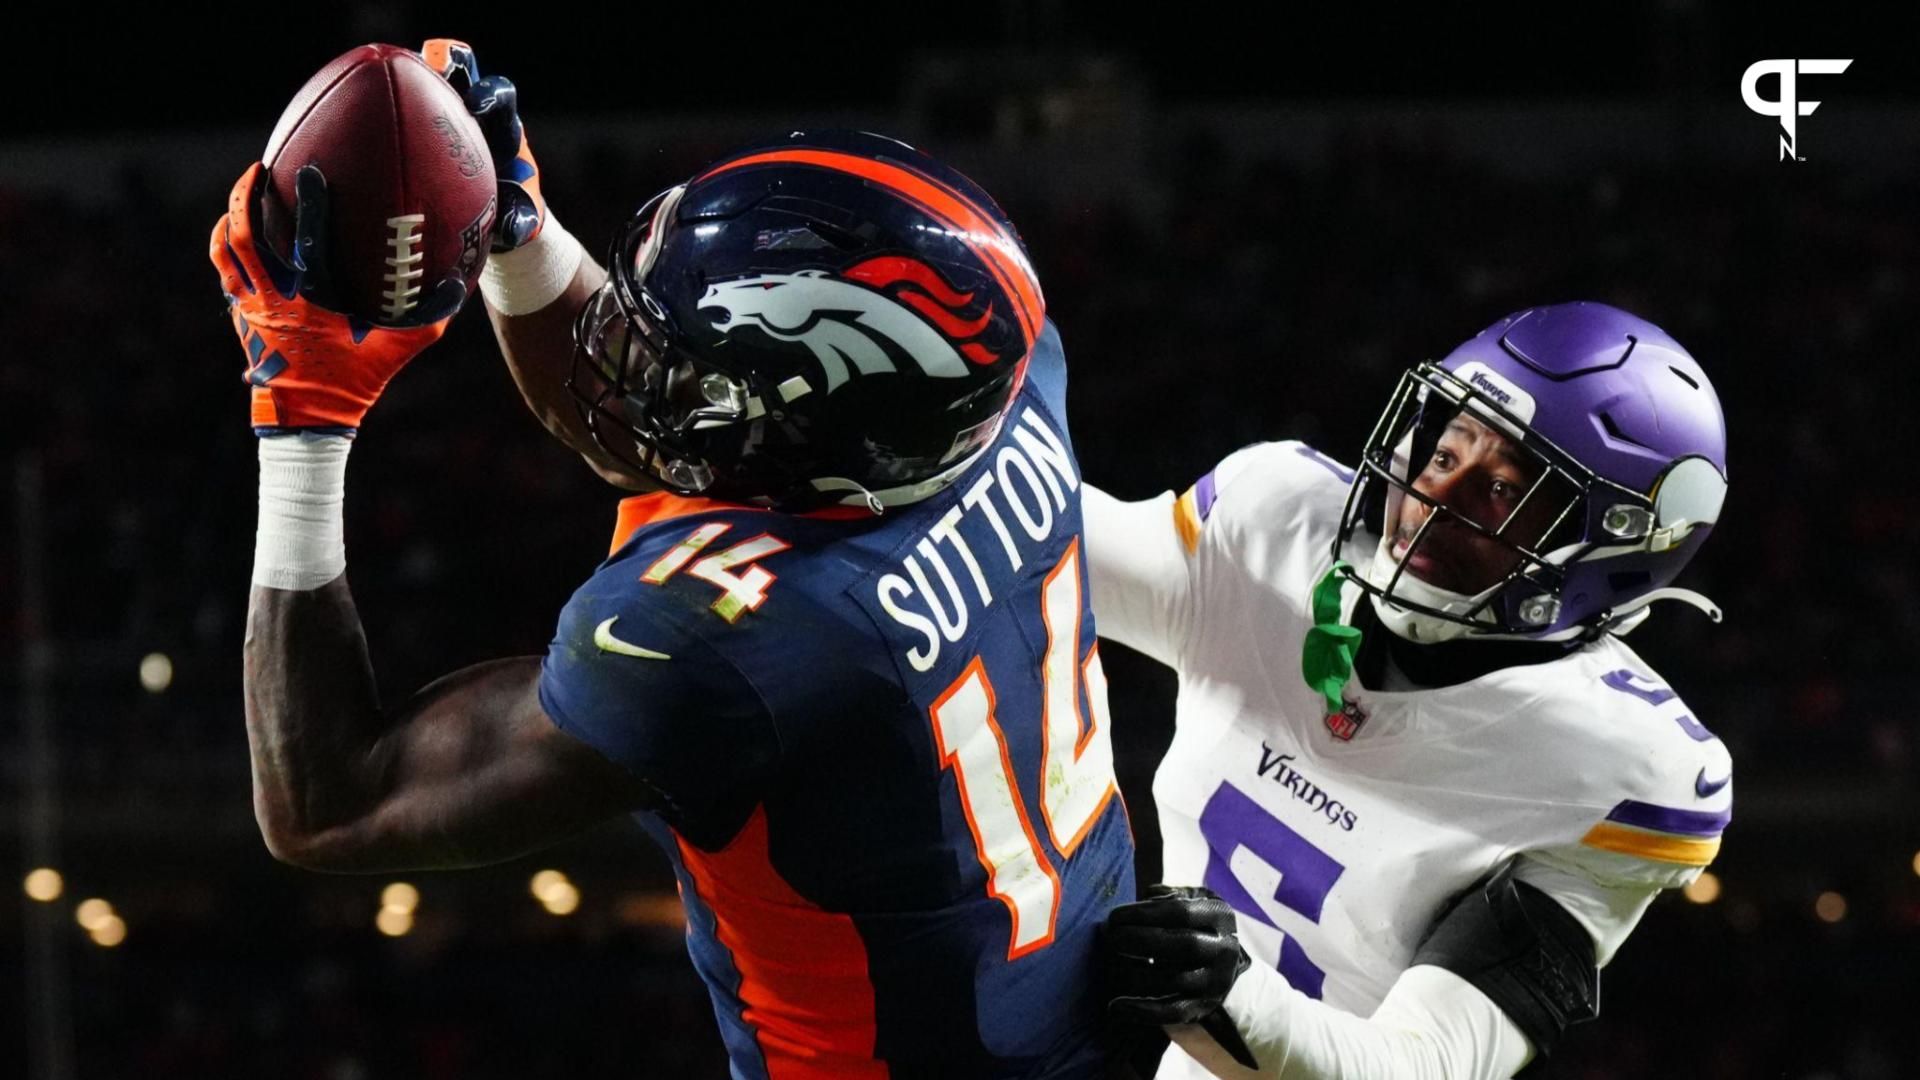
403,273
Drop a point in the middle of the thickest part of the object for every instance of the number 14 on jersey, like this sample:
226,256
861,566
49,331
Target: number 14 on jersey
1076,771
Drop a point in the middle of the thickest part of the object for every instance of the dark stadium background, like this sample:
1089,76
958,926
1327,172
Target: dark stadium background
1246,224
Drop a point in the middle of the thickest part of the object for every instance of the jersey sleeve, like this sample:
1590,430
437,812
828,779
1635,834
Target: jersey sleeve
1608,912
628,676
1151,561
1655,823
1664,824
1139,574
1432,1024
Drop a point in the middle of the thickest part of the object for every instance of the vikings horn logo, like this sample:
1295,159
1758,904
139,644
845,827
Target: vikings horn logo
851,321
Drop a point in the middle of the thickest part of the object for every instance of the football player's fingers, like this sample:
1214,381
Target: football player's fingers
524,169
440,303
495,104
453,60
401,343
1139,976
517,220
232,283
1157,992
1174,945
1157,1009
310,248
241,242
1195,913
1185,893
238,279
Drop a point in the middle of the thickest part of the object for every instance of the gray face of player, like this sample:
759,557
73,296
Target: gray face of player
1479,474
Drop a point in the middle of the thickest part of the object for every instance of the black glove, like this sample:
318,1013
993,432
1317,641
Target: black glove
1171,958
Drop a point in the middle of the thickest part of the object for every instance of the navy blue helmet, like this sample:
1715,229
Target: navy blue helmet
824,318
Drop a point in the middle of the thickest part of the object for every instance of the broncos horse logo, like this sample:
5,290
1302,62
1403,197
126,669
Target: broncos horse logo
854,316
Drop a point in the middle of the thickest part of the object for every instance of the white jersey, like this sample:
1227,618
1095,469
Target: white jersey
1339,852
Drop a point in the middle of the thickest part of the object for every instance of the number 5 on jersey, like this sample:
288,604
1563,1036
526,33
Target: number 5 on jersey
1076,771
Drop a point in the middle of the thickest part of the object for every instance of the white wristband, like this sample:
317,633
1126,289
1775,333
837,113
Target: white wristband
528,278
303,490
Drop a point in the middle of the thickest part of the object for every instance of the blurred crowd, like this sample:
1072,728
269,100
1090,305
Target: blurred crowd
1253,299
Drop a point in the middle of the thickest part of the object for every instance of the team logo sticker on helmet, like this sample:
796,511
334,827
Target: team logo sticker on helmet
862,316
1502,390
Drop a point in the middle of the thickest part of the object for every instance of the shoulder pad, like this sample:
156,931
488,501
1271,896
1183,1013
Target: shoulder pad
1256,482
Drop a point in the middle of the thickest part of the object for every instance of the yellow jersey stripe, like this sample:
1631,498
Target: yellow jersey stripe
1186,521
1660,847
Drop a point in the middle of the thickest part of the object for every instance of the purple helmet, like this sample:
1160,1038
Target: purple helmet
1629,448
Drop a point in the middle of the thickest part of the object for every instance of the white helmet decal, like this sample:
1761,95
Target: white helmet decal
841,322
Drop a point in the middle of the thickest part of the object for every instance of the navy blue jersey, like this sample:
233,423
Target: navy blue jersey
881,749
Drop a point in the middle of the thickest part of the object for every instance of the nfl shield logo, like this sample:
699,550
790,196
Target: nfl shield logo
1346,722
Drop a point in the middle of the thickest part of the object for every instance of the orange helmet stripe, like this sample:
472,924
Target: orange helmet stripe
998,250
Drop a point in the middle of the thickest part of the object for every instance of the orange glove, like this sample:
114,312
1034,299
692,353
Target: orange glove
495,105
309,367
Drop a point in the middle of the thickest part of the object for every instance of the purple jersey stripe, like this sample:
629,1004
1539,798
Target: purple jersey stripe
1667,819
1203,496
1652,694
1693,728
1345,474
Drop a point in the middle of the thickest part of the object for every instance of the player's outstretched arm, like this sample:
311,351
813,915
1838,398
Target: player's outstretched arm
1140,573
463,773
1433,1025
466,772
537,277
1169,959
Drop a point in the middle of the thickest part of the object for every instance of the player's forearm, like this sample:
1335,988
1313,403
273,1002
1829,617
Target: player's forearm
450,778
1138,572
456,776
1432,1026
538,348
312,713
532,297
339,783
312,708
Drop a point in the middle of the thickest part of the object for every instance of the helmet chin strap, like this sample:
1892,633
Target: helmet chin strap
878,501
1425,629
1624,618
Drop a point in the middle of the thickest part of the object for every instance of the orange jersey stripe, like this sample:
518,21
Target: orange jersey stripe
803,971
643,510
639,511
974,228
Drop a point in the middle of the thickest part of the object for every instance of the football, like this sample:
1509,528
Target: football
410,184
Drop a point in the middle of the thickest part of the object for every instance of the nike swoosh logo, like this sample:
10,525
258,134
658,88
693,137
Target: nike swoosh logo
603,637
1707,789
